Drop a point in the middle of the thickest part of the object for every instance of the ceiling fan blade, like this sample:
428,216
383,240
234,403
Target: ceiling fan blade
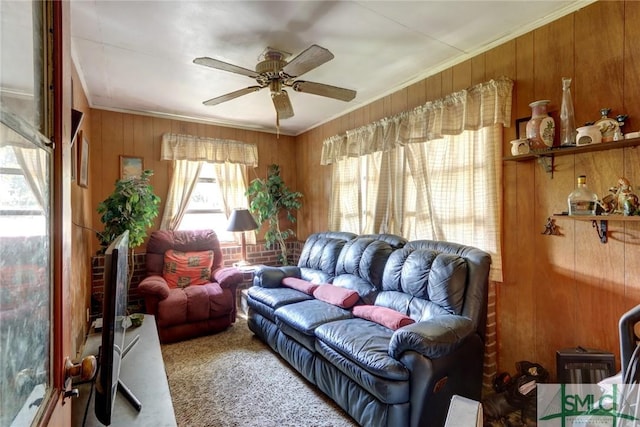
324,90
232,95
310,58
224,66
283,104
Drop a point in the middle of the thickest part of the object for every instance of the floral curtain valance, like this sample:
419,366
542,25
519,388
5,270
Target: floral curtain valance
480,106
212,150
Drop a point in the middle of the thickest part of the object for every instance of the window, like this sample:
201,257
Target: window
205,208
20,212
26,268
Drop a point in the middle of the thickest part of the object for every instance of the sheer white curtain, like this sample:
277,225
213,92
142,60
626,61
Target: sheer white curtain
35,165
432,173
188,152
183,181
232,180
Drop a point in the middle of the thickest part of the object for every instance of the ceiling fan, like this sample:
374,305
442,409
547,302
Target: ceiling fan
274,72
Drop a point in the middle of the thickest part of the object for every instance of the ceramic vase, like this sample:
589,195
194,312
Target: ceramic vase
541,128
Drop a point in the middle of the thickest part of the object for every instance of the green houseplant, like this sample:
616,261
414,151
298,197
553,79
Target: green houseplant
131,206
268,199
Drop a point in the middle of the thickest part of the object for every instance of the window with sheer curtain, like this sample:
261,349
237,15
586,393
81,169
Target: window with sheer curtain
209,180
432,173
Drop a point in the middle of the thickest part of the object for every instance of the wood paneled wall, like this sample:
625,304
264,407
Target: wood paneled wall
558,291
81,231
115,134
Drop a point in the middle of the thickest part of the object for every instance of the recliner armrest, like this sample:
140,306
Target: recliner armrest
433,338
154,285
228,277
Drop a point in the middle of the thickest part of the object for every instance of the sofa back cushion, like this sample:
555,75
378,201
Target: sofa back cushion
424,283
394,240
161,241
319,255
478,265
182,269
360,266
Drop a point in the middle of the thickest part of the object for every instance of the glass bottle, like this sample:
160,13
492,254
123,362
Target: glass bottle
582,201
567,116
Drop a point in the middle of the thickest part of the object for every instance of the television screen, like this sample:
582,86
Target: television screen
114,324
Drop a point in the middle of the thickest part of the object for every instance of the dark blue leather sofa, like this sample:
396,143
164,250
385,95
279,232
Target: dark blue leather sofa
381,376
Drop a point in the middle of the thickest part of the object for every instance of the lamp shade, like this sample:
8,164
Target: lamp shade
241,220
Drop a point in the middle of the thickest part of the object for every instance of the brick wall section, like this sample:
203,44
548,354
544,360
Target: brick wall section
491,343
135,300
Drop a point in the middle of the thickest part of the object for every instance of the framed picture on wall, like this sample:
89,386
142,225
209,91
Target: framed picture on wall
131,167
83,160
74,156
521,127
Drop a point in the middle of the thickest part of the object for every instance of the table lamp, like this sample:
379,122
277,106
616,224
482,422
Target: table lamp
241,220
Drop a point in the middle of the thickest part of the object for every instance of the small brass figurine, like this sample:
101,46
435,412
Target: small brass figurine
550,228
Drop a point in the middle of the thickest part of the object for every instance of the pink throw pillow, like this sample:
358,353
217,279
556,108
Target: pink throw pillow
383,316
345,298
299,285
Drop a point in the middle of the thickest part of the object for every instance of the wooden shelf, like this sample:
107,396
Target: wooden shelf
565,151
620,218
600,222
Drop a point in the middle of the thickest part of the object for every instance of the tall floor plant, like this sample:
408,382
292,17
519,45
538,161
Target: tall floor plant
131,206
269,198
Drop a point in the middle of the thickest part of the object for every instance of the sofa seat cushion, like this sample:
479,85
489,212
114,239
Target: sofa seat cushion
387,391
194,304
277,297
366,344
306,316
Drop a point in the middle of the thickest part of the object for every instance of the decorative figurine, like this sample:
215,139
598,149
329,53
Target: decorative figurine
550,228
622,199
618,135
608,126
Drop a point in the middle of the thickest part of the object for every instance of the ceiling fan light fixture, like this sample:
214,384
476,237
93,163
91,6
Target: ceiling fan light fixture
275,71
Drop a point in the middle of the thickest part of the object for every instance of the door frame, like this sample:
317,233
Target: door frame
57,411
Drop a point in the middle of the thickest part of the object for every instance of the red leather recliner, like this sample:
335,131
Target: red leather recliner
184,310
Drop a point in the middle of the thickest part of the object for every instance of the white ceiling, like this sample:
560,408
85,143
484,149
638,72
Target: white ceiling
136,56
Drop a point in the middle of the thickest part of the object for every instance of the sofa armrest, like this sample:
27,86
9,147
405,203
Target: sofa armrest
228,277
433,338
155,286
271,277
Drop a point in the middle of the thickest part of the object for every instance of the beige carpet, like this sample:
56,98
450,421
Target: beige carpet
233,379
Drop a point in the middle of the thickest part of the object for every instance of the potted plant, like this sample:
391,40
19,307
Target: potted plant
132,206
268,199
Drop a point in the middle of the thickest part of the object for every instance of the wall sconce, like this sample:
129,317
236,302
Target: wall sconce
241,220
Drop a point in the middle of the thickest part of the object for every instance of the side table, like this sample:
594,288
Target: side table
241,291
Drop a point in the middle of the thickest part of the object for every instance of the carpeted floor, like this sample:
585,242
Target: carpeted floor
233,379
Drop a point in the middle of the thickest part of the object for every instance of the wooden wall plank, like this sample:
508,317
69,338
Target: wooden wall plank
599,72
416,94
631,63
461,76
